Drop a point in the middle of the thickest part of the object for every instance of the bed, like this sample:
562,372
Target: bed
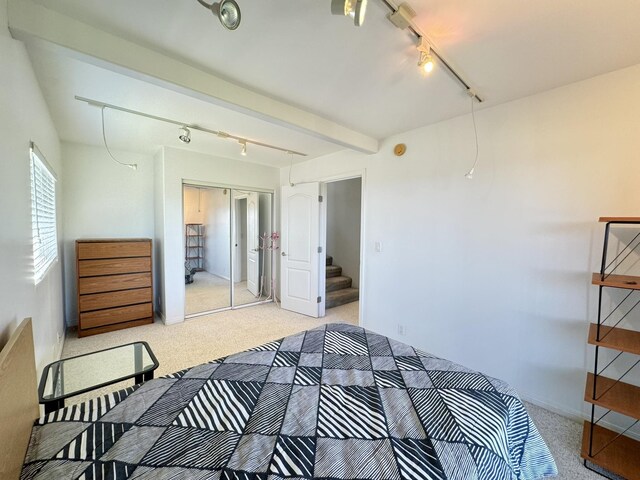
337,402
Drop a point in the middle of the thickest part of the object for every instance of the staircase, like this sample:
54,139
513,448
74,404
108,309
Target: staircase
339,290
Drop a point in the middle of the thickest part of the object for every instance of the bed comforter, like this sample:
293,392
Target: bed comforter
337,402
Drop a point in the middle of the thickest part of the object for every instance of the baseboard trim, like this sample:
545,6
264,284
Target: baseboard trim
574,415
578,416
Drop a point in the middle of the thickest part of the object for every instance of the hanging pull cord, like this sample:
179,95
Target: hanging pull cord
290,168
132,166
470,173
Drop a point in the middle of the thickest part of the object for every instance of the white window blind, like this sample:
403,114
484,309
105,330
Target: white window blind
43,215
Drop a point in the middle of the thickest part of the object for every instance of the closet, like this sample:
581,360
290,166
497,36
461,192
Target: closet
227,254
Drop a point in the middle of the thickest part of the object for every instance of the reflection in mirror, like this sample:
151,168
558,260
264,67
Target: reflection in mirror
207,255
252,258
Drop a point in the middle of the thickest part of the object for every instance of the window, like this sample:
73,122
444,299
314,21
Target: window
43,214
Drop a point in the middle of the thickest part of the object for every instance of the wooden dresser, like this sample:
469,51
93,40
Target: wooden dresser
115,284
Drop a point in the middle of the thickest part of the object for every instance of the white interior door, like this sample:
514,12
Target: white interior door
253,244
300,238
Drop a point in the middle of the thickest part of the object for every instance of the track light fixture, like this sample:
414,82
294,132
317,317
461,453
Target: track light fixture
185,131
403,16
227,11
356,9
185,135
425,62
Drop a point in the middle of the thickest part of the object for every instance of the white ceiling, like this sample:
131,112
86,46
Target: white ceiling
364,78
62,78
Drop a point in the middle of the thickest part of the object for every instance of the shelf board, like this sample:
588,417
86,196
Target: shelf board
620,397
619,219
615,338
617,281
621,457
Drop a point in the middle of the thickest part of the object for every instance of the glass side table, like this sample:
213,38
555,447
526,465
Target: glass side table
83,373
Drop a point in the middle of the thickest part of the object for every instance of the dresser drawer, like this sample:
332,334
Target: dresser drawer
92,250
97,301
111,316
113,266
113,283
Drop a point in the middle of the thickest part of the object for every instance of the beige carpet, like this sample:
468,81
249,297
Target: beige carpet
211,292
205,338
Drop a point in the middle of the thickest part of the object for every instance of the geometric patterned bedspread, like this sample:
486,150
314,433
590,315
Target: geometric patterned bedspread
336,402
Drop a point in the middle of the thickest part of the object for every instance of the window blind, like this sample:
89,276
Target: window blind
43,215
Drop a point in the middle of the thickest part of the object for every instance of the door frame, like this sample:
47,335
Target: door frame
362,174
231,188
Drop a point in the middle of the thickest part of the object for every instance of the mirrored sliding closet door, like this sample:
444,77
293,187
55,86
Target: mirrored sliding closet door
228,248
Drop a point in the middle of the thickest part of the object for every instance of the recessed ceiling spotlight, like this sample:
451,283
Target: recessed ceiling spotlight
185,135
243,152
425,62
227,11
356,9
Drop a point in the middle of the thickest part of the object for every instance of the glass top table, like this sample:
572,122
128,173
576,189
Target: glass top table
83,373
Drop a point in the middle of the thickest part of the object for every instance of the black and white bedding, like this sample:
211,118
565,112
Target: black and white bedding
337,402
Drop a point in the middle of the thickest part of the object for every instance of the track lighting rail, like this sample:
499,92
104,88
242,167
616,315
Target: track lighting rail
419,35
241,140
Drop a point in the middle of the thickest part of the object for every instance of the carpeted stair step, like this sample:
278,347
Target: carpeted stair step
338,283
341,297
333,271
329,260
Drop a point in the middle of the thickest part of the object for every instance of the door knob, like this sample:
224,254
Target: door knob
284,254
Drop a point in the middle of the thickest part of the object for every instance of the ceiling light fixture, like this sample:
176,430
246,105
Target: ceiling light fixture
185,135
426,59
402,17
191,126
356,9
227,11
243,152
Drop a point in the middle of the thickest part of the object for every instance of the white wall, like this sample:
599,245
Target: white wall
180,166
103,200
343,226
218,232
23,117
194,206
494,273
4,31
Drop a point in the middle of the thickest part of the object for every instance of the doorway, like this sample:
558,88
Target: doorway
343,225
226,261
321,261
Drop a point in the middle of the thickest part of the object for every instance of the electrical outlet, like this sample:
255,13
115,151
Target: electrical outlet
378,246
401,329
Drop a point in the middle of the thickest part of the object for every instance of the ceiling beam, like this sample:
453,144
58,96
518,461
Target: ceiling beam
28,20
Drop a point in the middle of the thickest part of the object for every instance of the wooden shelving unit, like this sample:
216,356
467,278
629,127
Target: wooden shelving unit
618,455
619,339
627,282
614,452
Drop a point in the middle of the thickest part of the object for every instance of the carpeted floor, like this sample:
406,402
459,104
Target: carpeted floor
210,292
205,338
